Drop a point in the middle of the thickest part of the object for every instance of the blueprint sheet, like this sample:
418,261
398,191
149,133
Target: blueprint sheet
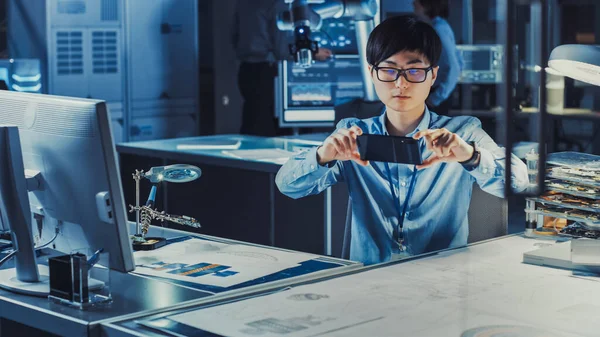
482,290
213,263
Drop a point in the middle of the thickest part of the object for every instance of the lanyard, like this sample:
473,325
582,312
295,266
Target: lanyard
398,234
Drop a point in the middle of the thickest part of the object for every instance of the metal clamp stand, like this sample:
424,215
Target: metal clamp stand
137,176
145,214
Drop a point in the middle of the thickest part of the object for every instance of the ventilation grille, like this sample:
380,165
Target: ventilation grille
69,53
12,112
61,121
109,10
71,7
104,57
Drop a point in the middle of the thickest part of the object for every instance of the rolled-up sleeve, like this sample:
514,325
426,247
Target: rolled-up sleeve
302,175
491,171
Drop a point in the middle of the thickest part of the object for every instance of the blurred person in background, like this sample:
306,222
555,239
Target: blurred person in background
436,12
259,46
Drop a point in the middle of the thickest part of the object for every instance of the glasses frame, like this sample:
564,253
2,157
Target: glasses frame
402,72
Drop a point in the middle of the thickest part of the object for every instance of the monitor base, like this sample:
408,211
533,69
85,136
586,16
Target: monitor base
151,243
9,281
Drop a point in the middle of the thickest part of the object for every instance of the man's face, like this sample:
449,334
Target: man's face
402,95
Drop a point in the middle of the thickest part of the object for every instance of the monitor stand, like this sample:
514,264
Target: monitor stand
9,281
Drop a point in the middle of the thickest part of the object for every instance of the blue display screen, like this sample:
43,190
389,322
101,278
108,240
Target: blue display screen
339,35
327,83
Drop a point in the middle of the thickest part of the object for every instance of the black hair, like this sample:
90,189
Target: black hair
403,33
435,8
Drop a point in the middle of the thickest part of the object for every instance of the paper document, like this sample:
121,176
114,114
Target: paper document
277,156
210,144
215,264
477,291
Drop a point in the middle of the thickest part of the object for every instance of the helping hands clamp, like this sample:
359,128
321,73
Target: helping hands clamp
145,214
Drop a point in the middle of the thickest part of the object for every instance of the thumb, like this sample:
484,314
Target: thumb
356,158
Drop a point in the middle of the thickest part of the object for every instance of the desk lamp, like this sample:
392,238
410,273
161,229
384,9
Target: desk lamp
577,61
178,173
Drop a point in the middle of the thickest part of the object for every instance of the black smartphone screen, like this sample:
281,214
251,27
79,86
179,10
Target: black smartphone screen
391,149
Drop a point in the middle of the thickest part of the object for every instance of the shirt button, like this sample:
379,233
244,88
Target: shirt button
294,175
403,184
484,170
312,167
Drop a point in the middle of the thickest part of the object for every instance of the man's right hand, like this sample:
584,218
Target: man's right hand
341,146
323,54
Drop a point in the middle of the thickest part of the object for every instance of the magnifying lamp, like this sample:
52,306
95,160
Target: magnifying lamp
178,173
577,61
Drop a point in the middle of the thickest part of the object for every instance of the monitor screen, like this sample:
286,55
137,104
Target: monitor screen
69,142
20,75
339,35
481,63
477,60
310,95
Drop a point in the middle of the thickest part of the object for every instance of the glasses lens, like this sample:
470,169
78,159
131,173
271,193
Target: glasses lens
416,75
387,74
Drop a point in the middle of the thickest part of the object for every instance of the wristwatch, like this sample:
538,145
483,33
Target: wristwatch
470,163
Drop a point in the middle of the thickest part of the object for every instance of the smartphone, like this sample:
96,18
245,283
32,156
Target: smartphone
391,149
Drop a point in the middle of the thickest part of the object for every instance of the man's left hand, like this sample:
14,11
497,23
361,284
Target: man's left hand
446,146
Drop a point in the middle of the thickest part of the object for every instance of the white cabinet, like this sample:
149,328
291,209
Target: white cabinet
141,56
163,48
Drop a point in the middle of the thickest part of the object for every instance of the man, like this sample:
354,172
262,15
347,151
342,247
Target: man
450,63
259,45
398,209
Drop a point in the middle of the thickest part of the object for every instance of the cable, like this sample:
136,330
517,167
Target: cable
56,232
13,252
7,257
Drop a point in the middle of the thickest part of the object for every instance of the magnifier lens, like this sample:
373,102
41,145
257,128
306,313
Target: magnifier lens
180,175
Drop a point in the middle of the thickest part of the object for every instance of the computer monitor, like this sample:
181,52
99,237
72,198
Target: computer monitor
307,97
69,142
481,63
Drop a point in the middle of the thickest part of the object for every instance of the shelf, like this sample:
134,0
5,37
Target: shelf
593,223
574,179
566,205
595,196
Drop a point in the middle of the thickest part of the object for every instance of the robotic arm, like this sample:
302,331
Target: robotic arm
307,15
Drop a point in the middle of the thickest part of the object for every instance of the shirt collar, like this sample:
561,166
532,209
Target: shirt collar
423,125
437,19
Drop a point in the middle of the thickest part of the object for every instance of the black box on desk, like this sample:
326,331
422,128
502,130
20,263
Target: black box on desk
68,278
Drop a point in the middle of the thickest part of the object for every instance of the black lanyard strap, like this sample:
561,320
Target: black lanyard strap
398,233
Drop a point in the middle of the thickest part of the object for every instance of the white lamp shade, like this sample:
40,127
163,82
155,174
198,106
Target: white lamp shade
577,61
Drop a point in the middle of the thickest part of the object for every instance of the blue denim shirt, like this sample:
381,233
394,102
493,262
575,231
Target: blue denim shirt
450,63
436,216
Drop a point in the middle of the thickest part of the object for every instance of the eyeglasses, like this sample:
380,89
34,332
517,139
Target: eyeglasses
412,75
